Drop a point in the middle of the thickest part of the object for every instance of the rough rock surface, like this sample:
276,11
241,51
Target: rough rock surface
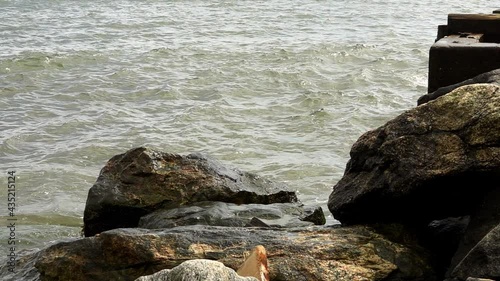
479,252
483,260
313,254
143,180
230,214
197,270
434,161
488,77
442,237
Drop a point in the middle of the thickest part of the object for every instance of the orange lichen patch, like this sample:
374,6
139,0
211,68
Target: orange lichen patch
164,252
201,249
256,265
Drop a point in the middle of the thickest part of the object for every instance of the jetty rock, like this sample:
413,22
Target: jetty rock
171,214
436,161
492,77
316,253
143,180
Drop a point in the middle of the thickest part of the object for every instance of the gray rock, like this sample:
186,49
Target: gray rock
435,161
479,252
483,260
488,77
197,270
230,214
143,180
307,254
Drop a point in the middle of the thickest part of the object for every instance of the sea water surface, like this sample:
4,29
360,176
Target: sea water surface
280,88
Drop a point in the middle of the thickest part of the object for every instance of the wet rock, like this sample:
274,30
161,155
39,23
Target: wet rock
143,180
197,270
483,260
488,77
255,222
230,214
478,253
435,161
312,254
314,215
442,237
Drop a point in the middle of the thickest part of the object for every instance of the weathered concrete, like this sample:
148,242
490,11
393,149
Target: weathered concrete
467,46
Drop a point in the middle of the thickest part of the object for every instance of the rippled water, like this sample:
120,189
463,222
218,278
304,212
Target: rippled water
280,88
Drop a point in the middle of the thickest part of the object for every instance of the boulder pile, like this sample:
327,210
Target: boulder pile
419,200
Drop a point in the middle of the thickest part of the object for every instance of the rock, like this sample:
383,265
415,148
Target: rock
256,222
488,77
230,214
143,180
479,252
311,254
197,270
442,237
483,260
314,215
435,161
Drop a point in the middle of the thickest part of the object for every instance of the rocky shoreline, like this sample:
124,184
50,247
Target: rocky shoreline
418,201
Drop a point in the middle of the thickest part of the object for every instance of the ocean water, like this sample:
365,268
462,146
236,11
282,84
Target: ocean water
280,88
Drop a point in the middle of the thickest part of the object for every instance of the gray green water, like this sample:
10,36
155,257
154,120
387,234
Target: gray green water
280,88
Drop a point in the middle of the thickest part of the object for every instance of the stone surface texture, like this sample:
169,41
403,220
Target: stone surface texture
337,253
143,180
487,77
436,168
197,270
434,161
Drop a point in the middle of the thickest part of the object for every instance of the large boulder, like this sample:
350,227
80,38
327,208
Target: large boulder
306,254
435,161
143,180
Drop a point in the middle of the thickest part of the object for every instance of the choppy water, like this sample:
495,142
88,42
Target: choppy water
280,88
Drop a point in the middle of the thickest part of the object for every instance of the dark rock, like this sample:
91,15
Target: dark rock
314,215
488,77
143,180
230,214
442,237
484,226
434,161
312,254
256,222
483,260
